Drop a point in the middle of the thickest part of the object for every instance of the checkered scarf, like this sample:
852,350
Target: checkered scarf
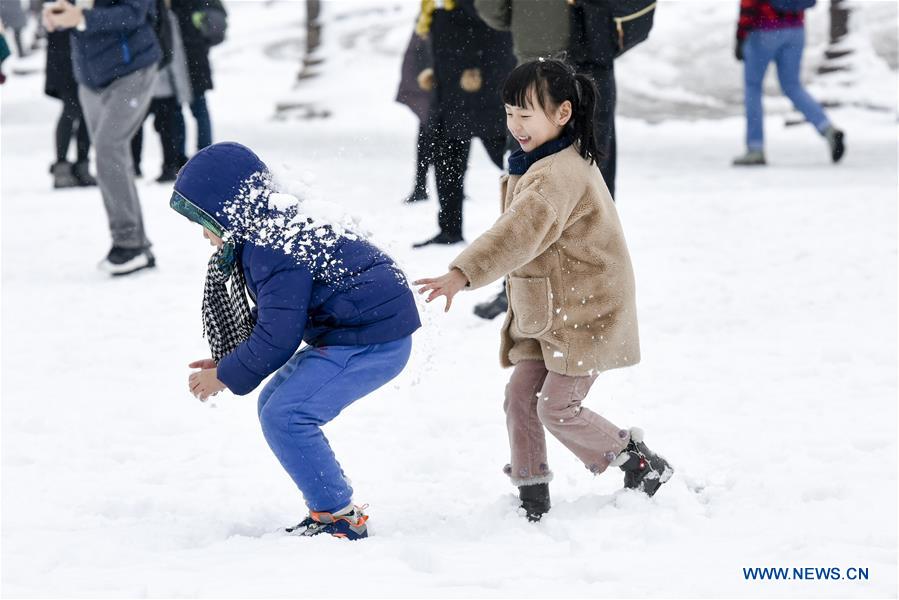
227,320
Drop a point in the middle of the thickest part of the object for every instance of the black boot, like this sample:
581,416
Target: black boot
443,238
534,500
643,469
62,175
169,173
493,308
82,173
417,195
835,141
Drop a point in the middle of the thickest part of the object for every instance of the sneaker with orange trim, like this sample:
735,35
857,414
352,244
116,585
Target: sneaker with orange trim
349,525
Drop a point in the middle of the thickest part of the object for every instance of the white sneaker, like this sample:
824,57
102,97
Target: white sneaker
124,261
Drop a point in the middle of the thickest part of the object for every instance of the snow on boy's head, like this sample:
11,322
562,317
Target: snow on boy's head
281,202
309,203
280,210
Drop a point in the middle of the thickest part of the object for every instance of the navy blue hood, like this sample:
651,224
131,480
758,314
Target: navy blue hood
215,176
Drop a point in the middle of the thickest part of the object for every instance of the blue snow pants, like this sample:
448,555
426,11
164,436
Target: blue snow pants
310,390
784,47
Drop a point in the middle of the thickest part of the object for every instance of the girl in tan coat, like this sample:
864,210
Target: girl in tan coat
572,310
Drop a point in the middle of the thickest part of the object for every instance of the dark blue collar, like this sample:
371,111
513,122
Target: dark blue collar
520,161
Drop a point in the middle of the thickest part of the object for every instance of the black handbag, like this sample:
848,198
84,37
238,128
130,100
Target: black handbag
603,30
633,22
214,26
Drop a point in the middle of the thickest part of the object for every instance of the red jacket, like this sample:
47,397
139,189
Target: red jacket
759,14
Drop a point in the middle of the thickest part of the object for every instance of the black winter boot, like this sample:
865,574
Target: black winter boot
534,500
643,469
493,308
417,195
443,238
62,175
82,173
835,141
169,173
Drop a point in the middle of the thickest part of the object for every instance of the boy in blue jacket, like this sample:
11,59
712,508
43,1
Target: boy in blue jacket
310,282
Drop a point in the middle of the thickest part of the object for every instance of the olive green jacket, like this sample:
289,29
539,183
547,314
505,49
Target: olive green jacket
539,27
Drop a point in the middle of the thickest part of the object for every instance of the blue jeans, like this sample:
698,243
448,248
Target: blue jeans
784,47
204,125
310,390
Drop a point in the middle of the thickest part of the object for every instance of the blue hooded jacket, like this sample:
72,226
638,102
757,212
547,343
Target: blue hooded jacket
119,39
357,296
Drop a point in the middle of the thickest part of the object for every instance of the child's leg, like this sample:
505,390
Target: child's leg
279,378
322,383
526,438
593,439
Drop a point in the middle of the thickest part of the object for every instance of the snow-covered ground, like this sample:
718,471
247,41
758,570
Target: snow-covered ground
767,304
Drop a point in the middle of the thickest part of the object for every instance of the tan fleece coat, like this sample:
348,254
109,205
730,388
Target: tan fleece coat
570,281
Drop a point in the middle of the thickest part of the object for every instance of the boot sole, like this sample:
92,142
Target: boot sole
352,536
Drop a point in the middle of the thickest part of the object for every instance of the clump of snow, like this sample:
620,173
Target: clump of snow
279,201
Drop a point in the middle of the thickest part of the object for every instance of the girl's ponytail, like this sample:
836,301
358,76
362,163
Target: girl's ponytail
584,110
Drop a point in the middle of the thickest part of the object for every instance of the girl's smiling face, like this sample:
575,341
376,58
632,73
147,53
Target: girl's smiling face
533,126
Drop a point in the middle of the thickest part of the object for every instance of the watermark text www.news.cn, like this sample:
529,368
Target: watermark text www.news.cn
805,573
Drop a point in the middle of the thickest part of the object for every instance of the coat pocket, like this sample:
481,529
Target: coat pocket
531,302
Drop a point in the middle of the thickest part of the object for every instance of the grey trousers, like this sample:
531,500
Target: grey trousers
537,398
113,116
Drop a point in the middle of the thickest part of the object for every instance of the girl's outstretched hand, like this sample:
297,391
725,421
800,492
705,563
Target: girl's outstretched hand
446,285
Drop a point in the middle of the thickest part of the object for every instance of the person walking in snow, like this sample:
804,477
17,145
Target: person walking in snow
15,19
416,90
774,30
172,90
60,84
115,54
202,24
470,62
310,281
572,312
4,52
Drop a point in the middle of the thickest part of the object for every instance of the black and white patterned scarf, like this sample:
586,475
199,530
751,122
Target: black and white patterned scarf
227,320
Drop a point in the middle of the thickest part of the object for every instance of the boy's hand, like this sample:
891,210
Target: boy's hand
206,363
204,383
446,285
